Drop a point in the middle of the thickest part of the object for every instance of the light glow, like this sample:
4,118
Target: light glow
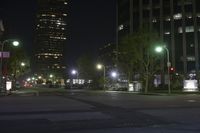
114,74
15,43
190,86
99,66
74,72
23,64
159,49
51,75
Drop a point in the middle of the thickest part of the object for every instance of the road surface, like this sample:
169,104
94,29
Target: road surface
100,112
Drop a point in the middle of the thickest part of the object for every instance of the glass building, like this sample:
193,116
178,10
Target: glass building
50,39
176,21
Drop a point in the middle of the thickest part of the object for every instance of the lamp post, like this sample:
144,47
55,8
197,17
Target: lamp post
100,66
75,72
14,43
114,74
51,76
160,49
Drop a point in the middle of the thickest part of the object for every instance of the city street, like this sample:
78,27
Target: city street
100,112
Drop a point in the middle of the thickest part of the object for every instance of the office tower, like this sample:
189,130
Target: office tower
50,40
176,21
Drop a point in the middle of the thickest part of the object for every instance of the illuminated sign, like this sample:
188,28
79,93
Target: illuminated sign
5,54
131,87
8,85
190,86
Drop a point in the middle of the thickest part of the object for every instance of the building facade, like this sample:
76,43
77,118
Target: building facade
176,21
51,35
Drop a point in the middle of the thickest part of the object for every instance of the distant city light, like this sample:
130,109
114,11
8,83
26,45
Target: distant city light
51,75
23,64
99,66
114,74
74,72
28,79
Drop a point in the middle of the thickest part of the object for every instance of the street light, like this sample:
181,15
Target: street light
51,75
159,49
75,72
14,43
52,78
23,64
100,66
114,74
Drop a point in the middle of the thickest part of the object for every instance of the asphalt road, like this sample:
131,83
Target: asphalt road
100,112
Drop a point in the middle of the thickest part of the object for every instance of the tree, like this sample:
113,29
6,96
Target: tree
137,55
86,68
15,65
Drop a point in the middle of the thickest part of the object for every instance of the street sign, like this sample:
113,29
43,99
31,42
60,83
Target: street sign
5,54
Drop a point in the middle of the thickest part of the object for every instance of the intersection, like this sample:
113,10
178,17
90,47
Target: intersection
98,112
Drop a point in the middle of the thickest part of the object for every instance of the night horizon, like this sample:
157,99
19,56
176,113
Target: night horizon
81,37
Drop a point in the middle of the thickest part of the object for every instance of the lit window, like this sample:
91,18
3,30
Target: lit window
168,19
178,16
190,58
121,27
43,15
189,16
191,45
167,33
154,20
188,29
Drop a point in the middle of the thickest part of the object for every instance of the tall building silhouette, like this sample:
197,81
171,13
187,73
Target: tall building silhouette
176,21
50,39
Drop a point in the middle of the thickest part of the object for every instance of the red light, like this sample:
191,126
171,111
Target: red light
172,69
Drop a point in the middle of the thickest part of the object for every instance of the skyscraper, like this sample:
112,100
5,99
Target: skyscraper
176,21
50,39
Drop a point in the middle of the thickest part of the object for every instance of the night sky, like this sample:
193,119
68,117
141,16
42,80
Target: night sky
91,24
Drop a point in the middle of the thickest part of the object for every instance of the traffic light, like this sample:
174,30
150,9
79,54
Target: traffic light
172,69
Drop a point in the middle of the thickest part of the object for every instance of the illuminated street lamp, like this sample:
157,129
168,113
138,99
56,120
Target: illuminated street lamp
114,74
28,79
159,49
14,43
51,75
74,72
23,64
100,67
